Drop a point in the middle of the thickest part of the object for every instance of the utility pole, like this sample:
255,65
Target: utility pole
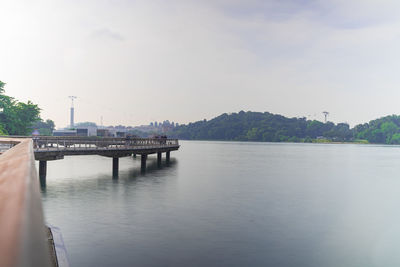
326,113
72,110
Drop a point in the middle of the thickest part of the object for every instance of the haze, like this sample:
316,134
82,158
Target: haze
133,62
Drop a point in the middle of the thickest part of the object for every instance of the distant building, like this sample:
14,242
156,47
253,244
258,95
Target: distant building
86,131
82,132
103,132
64,133
92,130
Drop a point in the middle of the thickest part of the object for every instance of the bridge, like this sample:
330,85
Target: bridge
24,238
48,148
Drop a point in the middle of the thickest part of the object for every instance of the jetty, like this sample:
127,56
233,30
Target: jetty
47,148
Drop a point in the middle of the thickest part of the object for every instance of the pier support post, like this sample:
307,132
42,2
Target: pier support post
115,167
143,165
167,156
42,168
159,159
42,172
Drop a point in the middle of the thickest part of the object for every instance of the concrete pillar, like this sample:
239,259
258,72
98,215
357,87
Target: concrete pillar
42,172
159,158
115,167
42,168
143,165
167,157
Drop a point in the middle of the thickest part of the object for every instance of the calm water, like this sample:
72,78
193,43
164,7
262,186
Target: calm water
232,204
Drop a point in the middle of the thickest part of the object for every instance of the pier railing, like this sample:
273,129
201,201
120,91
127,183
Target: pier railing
95,143
22,230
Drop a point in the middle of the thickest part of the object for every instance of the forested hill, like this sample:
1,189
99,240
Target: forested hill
258,126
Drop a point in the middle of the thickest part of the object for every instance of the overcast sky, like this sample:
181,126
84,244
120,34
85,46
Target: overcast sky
133,62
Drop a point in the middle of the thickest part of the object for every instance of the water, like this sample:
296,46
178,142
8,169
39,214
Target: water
232,204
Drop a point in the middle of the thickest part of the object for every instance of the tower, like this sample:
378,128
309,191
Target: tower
72,111
326,113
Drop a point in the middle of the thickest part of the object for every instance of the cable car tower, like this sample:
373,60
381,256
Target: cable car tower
326,113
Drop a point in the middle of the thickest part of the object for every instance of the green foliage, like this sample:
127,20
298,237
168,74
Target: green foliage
44,127
385,130
2,87
2,130
257,126
395,139
16,118
253,134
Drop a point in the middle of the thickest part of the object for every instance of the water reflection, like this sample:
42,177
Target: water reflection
152,167
42,181
154,173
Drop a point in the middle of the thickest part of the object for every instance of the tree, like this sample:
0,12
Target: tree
314,128
16,118
381,130
388,129
27,114
253,134
2,87
44,127
395,139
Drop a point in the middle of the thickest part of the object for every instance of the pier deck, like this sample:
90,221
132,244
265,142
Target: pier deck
54,148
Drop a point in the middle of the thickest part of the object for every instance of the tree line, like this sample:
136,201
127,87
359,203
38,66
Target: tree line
268,127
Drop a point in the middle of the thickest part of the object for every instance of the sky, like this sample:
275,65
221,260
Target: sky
133,62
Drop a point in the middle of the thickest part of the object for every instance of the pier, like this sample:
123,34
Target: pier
47,148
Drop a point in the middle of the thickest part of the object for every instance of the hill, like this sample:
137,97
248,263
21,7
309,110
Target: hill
258,126
265,126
